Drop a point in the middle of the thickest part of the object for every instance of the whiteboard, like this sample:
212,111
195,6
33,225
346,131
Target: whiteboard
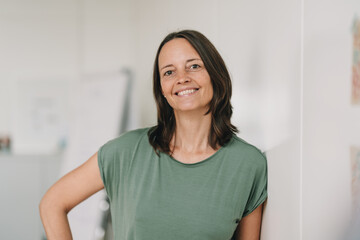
97,115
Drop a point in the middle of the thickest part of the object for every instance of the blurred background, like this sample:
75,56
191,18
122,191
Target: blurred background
74,74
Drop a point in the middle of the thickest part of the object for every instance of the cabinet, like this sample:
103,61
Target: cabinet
23,181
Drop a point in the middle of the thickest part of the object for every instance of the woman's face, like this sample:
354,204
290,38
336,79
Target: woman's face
184,80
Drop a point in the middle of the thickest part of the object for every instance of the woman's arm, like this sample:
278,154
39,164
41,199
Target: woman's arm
249,227
65,194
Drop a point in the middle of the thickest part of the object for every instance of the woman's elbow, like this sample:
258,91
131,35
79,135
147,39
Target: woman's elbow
51,205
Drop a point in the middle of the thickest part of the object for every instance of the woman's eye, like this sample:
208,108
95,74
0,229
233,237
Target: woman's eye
195,66
168,73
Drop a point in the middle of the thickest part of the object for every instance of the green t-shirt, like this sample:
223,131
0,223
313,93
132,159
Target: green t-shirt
158,197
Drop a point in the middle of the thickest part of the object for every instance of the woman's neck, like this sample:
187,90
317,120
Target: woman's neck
191,132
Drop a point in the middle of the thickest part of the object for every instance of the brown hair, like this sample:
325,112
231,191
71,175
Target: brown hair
221,129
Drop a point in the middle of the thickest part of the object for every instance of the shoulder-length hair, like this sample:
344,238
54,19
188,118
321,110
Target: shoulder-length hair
220,108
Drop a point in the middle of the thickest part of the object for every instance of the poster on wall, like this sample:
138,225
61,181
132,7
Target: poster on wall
39,116
355,178
355,88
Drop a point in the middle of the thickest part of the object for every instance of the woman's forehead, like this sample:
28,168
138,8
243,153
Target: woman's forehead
178,49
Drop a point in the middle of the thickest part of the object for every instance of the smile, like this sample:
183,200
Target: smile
187,92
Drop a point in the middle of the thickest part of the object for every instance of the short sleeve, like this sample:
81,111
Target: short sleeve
109,166
101,164
114,157
102,168
258,192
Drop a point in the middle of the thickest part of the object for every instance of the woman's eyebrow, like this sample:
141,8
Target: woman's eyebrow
169,65
192,59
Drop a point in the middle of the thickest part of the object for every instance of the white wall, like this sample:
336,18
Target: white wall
330,123
105,36
38,41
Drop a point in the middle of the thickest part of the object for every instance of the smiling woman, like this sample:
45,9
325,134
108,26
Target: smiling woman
181,56
188,177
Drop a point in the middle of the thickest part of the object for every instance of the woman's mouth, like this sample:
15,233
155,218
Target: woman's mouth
187,92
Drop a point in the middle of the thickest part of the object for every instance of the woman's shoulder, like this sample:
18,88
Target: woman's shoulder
241,148
126,140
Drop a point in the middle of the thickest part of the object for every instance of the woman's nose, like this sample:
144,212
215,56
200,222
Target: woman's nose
182,77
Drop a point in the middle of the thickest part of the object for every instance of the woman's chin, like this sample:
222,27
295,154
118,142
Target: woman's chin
190,109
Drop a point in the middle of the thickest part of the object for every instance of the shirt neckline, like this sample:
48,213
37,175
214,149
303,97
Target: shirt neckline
200,162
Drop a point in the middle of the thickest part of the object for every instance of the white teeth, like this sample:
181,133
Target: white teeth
186,92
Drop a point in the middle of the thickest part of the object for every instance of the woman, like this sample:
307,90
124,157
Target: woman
189,177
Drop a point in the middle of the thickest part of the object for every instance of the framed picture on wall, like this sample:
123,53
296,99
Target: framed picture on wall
355,83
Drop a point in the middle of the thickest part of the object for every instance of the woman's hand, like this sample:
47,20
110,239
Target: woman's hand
65,194
249,227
